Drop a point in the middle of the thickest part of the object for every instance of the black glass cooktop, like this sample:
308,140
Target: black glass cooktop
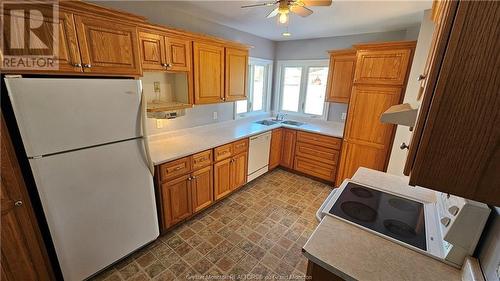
400,218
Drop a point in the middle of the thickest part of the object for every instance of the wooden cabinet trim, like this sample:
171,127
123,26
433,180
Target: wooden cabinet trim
198,185
236,69
317,153
154,41
223,152
178,54
209,74
175,168
172,204
275,151
222,183
320,140
340,75
288,148
201,159
240,146
314,168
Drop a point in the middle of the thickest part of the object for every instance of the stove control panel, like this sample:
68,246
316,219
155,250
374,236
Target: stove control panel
453,210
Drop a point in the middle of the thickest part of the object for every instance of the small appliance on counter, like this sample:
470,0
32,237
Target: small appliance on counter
447,228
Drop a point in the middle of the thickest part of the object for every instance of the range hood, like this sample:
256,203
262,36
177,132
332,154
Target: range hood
400,114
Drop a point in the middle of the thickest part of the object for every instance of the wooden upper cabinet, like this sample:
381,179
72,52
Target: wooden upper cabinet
152,51
236,74
222,184
341,75
385,64
208,73
288,148
238,175
108,47
455,145
68,58
176,195
178,53
202,188
275,151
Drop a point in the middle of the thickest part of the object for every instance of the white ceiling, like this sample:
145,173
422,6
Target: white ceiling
343,17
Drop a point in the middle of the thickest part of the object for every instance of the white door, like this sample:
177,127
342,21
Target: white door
99,204
61,114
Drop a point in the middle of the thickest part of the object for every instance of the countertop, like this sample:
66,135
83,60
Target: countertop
177,144
355,254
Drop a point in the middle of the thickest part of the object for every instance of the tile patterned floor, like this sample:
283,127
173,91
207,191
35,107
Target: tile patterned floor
259,230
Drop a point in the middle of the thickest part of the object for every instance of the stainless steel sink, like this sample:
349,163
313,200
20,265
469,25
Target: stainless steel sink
293,123
266,122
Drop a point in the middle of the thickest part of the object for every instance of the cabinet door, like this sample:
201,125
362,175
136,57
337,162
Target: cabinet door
239,170
176,196
178,53
288,148
236,74
341,76
23,253
152,51
68,58
208,73
366,106
355,155
387,67
202,191
108,47
275,152
222,185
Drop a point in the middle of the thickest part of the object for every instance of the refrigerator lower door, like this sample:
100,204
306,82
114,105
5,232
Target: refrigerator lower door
99,204
61,114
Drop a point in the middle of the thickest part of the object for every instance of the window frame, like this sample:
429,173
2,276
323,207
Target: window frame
266,106
280,77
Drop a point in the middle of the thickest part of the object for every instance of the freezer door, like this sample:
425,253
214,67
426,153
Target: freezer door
56,114
99,204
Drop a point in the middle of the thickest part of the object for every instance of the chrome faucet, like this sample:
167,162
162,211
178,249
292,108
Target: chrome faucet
280,117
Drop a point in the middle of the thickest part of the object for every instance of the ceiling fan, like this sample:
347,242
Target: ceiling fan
298,7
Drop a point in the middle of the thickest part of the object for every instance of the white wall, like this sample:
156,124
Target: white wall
398,156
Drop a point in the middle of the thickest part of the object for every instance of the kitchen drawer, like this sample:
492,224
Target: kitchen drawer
240,146
317,153
175,168
315,168
223,152
319,140
202,159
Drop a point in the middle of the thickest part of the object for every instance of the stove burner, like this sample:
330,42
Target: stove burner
361,192
403,204
399,228
359,211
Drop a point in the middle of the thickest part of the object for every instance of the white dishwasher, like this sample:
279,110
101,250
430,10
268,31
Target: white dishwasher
258,155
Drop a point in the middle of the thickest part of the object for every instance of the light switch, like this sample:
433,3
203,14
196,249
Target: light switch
156,86
215,115
159,123
343,116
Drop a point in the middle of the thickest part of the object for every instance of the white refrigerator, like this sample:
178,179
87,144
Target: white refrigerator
89,158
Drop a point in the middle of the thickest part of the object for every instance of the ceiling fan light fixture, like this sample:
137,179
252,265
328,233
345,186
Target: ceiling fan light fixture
283,18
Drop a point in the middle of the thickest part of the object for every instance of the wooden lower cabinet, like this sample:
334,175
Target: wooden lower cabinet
288,148
239,170
318,273
356,155
23,253
275,151
176,196
202,194
230,174
222,183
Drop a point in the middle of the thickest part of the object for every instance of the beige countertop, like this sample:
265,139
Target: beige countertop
177,144
356,254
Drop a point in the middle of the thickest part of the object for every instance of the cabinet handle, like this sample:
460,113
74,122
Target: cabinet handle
87,65
193,177
77,65
18,203
164,64
190,178
169,65
421,77
404,146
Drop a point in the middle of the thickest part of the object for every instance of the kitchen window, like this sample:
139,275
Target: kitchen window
259,89
302,88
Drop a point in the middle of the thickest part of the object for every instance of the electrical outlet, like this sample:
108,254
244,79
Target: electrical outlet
215,115
156,86
343,116
159,123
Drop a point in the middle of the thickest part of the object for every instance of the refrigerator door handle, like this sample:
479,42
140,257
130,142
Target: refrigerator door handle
145,133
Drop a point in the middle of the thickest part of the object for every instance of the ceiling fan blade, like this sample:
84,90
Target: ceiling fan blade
273,13
259,5
301,11
316,2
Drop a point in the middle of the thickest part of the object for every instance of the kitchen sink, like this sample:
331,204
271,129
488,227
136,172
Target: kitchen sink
266,122
293,123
